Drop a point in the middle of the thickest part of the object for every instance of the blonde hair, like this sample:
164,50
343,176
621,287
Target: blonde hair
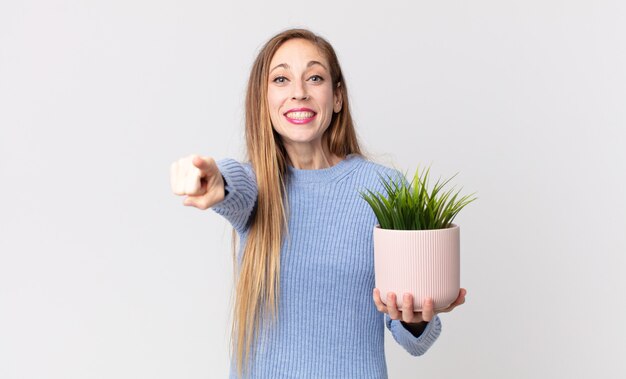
258,274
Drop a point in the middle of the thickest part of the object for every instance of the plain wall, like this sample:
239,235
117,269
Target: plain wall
105,274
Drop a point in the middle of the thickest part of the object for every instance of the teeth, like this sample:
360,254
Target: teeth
300,115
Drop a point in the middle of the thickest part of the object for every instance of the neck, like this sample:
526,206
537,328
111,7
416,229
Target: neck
307,157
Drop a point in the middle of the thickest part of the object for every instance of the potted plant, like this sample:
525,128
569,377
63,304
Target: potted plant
416,245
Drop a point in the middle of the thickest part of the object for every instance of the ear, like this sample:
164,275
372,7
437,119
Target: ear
337,98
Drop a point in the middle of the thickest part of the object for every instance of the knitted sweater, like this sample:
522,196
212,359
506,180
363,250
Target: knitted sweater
328,325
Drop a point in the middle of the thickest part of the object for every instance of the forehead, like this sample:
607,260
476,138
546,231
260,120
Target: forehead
298,51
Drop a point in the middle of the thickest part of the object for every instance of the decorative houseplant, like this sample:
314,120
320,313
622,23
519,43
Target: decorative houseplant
416,245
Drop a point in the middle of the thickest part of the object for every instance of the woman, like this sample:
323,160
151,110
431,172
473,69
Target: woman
304,305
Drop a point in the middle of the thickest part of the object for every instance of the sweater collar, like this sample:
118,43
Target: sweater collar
344,166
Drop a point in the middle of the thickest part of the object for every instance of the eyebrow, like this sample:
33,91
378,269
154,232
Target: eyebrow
286,66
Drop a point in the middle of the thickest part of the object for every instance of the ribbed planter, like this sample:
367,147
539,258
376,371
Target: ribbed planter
424,263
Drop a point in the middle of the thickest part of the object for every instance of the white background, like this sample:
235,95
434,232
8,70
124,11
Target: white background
105,274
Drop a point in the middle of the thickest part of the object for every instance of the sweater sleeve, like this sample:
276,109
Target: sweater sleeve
241,193
414,345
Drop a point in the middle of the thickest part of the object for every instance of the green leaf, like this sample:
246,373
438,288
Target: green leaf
411,205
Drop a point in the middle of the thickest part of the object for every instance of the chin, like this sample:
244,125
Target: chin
302,137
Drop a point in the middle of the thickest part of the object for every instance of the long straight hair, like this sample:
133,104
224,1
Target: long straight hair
257,276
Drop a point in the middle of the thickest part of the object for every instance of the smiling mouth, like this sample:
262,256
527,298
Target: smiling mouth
300,117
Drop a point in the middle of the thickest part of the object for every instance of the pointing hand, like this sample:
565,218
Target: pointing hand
199,179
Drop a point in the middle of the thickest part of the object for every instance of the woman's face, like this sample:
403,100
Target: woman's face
300,93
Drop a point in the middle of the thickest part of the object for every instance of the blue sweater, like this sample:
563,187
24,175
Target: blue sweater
328,325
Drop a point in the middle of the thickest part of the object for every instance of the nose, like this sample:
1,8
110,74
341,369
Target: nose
299,91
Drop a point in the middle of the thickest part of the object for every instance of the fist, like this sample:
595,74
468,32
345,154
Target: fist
199,179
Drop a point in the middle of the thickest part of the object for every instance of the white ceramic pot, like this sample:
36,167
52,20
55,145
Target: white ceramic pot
424,263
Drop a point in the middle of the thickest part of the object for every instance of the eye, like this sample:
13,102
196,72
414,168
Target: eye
317,77
279,79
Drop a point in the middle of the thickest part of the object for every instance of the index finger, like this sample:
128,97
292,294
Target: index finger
379,303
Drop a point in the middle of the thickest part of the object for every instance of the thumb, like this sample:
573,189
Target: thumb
201,163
